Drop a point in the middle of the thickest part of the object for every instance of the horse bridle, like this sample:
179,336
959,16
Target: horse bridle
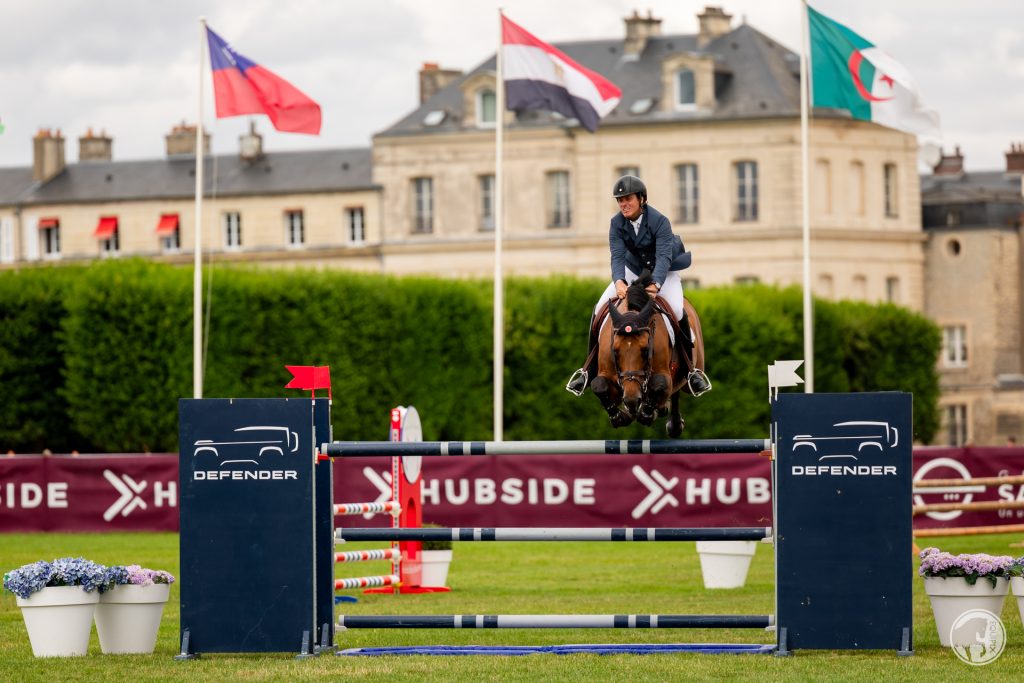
630,324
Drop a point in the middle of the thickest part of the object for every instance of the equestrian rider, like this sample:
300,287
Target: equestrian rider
641,237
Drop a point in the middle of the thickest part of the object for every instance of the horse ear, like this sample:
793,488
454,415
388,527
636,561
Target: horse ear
645,312
613,311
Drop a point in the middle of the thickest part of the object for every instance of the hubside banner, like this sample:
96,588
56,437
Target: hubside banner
140,492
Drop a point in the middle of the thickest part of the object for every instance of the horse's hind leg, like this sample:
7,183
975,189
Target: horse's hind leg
674,423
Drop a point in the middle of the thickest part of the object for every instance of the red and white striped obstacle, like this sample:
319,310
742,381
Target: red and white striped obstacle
406,510
366,582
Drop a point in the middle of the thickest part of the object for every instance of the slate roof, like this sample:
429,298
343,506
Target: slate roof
971,187
333,170
755,78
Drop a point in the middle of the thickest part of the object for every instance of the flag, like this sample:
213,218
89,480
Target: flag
242,87
782,373
538,76
309,377
849,72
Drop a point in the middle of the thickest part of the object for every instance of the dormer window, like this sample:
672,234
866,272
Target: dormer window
486,108
685,89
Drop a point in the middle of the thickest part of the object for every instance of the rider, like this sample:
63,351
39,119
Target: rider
641,237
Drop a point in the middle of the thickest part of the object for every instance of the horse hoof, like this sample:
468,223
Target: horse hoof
674,428
646,415
621,418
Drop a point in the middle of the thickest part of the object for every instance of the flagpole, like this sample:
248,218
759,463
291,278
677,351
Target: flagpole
805,207
197,281
499,281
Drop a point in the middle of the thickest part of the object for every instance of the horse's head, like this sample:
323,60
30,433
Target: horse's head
632,346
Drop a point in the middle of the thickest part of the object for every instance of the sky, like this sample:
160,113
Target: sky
131,67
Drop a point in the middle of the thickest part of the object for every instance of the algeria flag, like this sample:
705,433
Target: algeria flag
848,72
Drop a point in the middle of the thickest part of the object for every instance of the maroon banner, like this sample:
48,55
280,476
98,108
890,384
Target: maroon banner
140,492
89,493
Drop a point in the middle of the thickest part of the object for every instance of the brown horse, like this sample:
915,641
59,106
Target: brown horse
639,375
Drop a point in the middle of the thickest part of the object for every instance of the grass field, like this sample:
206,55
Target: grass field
509,578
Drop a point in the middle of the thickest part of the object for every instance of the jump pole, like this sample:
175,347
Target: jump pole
563,534
592,447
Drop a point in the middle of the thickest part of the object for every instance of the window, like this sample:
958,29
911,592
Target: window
956,424
49,238
686,89
486,185
559,208
857,188
423,205
822,193
355,221
892,289
826,286
294,228
687,194
891,197
745,208
6,240
952,217
168,233
954,346
627,170
690,283
860,287
746,279
232,230
109,234
486,108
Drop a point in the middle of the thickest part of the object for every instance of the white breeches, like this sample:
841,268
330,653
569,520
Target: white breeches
671,292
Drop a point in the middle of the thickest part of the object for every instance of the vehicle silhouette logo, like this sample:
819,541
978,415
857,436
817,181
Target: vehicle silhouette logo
852,435
262,440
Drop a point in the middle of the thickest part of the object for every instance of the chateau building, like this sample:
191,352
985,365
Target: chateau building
709,120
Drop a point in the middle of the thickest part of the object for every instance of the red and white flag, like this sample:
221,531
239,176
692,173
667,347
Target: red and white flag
538,76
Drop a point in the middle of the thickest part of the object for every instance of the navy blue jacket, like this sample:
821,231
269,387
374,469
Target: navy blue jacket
653,246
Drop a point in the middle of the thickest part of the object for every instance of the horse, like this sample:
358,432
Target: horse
639,375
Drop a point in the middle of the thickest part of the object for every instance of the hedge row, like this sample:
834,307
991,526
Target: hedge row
96,358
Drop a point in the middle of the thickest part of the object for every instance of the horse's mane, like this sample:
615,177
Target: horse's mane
636,295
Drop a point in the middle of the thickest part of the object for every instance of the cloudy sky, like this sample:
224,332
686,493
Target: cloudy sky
130,67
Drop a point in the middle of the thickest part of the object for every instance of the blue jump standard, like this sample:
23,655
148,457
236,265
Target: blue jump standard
756,533
592,447
518,650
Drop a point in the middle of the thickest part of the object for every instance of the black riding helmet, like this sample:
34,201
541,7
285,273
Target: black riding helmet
630,184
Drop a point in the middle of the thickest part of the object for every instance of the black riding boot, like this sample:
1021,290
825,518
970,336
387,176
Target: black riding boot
697,380
580,379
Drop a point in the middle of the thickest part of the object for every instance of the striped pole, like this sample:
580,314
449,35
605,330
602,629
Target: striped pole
560,621
367,508
565,534
365,582
369,555
593,447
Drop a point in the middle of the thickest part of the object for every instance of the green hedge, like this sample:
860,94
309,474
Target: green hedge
97,357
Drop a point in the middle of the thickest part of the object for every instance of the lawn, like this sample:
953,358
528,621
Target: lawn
510,578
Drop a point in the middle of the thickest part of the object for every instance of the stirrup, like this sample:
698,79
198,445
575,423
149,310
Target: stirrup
698,382
577,384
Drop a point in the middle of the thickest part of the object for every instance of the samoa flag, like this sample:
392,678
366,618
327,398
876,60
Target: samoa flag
242,87
539,76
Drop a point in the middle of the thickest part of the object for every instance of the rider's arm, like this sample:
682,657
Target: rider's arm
664,240
617,247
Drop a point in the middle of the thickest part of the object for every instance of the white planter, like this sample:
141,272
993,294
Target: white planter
435,567
58,620
952,597
128,618
1017,583
724,564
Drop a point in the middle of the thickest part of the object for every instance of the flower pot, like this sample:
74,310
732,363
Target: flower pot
128,618
724,564
952,597
58,620
435,567
1017,583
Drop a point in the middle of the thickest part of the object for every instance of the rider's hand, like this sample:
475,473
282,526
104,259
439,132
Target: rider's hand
652,289
620,289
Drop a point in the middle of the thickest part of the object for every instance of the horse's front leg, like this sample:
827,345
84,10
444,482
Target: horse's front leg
610,394
655,399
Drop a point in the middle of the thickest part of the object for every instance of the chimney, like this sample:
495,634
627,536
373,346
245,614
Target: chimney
638,30
47,154
250,145
181,141
433,78
92,147
1015,159
953,164
714,22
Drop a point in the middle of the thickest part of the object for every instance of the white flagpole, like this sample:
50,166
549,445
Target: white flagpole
197,282
805,207
499,281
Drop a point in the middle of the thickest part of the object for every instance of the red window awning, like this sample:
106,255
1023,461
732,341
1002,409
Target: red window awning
49,222
106,227
168,224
